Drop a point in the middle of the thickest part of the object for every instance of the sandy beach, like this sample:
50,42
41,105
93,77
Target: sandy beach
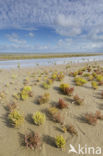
12,139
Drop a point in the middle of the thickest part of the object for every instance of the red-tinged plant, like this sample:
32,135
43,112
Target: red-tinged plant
69,91
99,115
100,83
91,119
33,140
102,94
71,129
78,100
80,72
88,69
44,98
11,106
62,104
58,118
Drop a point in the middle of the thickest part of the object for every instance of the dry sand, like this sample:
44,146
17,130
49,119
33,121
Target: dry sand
11,138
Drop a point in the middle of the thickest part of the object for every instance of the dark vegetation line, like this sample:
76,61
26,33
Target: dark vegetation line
20,56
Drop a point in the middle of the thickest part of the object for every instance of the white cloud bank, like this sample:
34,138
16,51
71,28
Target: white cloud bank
82,19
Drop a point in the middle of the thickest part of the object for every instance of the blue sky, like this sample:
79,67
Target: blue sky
51,26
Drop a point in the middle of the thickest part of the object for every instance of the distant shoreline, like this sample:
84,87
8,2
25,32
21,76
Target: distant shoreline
21,56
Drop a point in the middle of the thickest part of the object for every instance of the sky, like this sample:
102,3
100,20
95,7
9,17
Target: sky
44,26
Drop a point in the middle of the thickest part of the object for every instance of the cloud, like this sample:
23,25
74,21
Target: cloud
16,39
30,34
79,23
68,18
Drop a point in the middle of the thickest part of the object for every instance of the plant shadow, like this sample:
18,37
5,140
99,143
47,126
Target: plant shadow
49,140
29,118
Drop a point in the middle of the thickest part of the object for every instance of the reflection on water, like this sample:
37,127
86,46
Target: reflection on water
49,61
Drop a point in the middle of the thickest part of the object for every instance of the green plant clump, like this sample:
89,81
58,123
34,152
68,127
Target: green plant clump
63,86
15,118
60,141
25,92
39,118
94,85
80,81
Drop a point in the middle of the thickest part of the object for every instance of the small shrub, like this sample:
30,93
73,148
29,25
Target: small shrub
12,106
39,118
80,81
58,118
60,141
94,74
33,140
63,86
54,76
78,100
44,99
102,94
49,81
60,76
62,104
99,115
46,85
69,91
91,119
99,78
71,129
86,74
15,118
74,74
52,111
94,85
26,92
90,78
100,83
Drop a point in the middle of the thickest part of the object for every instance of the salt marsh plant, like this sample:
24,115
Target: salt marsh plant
44,99
80,81
94,85
63,86
26,92
69,91
54,76
74,74
62,104
90,78
49,81
52,111
39,118
15,118
102,94
11,107
86,74
78,100
60,76
32,140
91,119
60,141
58,118
72,130
99,115
100,83
99,78
46,85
